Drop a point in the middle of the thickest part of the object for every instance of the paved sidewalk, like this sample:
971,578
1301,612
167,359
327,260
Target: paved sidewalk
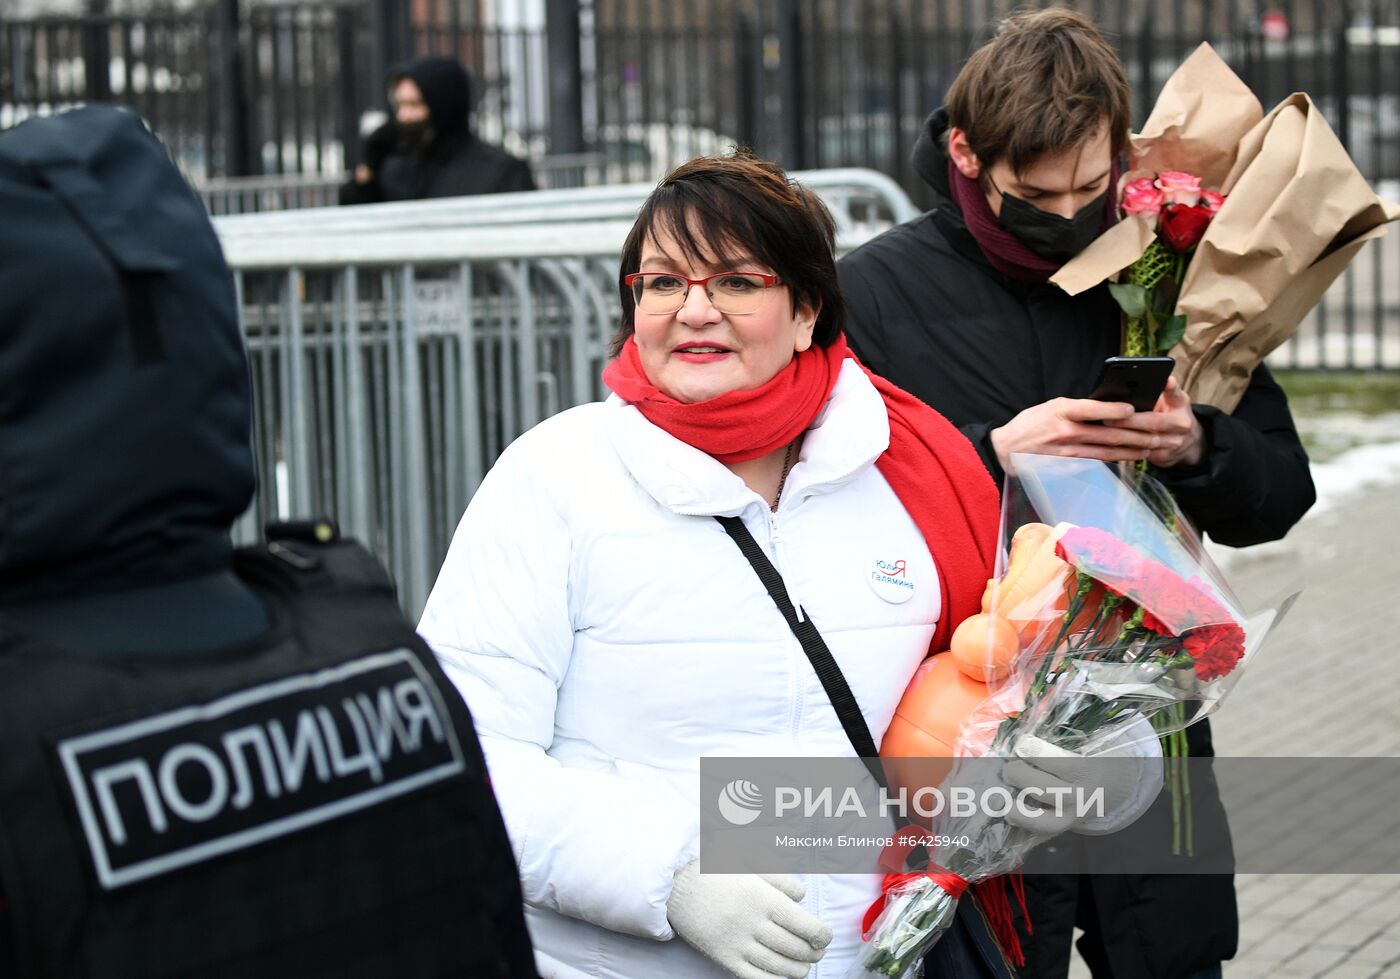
1328,683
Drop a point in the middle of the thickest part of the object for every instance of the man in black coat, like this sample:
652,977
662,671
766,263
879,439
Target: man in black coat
428,149
955,307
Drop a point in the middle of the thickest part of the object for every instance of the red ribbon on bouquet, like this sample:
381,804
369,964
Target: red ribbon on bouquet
991,894
953,883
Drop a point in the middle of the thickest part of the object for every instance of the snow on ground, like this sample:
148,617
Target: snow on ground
1355,470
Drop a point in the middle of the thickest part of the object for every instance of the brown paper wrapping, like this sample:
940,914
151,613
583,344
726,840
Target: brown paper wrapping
1296,213
1201,116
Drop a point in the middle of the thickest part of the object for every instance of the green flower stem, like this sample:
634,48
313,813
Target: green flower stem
1134,338
1085,585
1173,790
1186,791
1156,263
910,915
1097,713
1174,766
1093,637
1153,266
1089,635
1175,752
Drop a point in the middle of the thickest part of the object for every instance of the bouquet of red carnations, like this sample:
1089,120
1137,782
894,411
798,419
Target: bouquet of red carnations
1102,618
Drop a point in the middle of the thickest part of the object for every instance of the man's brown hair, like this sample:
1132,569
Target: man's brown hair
1044,84
719,208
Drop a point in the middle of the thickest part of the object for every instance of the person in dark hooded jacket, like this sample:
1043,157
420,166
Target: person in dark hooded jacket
156,817
429,149
955,307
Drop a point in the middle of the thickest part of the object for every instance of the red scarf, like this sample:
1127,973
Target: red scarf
930,465
1007,253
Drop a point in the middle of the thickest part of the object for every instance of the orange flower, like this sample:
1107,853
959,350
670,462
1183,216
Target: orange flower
985,646
1033,589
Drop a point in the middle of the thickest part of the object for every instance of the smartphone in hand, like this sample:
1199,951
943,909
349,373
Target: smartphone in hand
1139,381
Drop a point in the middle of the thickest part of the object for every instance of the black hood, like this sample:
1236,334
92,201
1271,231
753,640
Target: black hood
125,411
930,156
447,90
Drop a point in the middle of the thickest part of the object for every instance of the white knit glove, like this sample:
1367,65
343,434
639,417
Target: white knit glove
1129,784
750,925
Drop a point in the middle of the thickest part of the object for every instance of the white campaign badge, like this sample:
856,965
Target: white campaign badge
888,577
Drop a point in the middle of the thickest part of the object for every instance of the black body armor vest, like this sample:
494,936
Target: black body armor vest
313,803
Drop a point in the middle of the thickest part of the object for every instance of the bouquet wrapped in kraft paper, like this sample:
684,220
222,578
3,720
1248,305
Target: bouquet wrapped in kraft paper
1295,212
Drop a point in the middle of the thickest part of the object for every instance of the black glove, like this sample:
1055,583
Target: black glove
379,144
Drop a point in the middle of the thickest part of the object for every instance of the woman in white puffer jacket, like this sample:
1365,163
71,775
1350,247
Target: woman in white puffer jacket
607,634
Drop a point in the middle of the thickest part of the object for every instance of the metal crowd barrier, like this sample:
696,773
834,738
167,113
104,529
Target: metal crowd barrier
253,195
856,198
296,191
391,367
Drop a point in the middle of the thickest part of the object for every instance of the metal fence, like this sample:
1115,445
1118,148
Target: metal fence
254,195
158,63
640,85
1357,324
607,91
271,90
383,391
394,360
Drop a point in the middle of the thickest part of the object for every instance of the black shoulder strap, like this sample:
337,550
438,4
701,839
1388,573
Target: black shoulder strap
293,566
833,681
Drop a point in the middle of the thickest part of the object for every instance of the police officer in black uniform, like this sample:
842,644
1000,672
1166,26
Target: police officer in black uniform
215,762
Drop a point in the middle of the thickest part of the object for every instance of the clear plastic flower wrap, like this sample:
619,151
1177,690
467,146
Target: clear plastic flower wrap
1105,613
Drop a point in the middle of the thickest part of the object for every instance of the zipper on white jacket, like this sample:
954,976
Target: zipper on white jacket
799,702
775,552
778,562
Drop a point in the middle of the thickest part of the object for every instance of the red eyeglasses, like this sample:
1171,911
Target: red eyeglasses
732,293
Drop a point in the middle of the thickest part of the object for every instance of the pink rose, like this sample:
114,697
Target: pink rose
1212,200
1179,188
1141,197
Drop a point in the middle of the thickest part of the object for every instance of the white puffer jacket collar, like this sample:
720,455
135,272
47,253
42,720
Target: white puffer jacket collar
849,434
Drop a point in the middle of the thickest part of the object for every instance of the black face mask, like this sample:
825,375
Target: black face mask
1049,235
415,137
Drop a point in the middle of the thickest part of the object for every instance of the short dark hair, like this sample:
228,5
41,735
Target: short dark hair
719,208
1044,84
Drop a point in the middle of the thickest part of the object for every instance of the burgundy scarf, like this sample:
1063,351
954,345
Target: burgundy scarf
1007,253
931,467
